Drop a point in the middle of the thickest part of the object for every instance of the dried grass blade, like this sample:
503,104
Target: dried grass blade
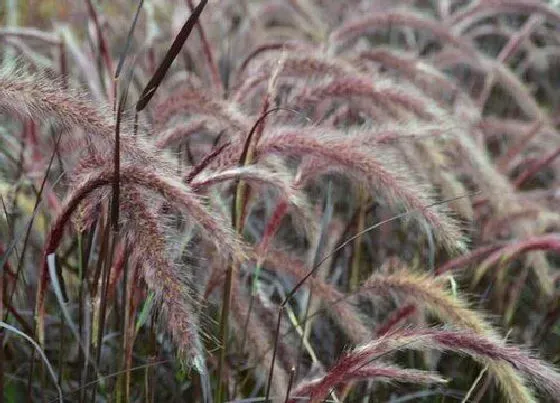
124,52
41,352
172,53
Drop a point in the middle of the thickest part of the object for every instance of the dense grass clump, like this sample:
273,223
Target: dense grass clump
300,200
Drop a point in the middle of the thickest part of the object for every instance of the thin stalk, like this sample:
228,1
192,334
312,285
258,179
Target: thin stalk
81,310
83,306
123,325
357,249
103,50
290,383
125,329
244,333
274,353
39,319
238,210
208,54
305,331
106,257
61,350
224,331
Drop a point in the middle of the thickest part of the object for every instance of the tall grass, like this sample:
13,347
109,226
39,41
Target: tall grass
280,200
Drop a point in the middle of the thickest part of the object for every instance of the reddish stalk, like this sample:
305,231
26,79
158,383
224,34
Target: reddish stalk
208,54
